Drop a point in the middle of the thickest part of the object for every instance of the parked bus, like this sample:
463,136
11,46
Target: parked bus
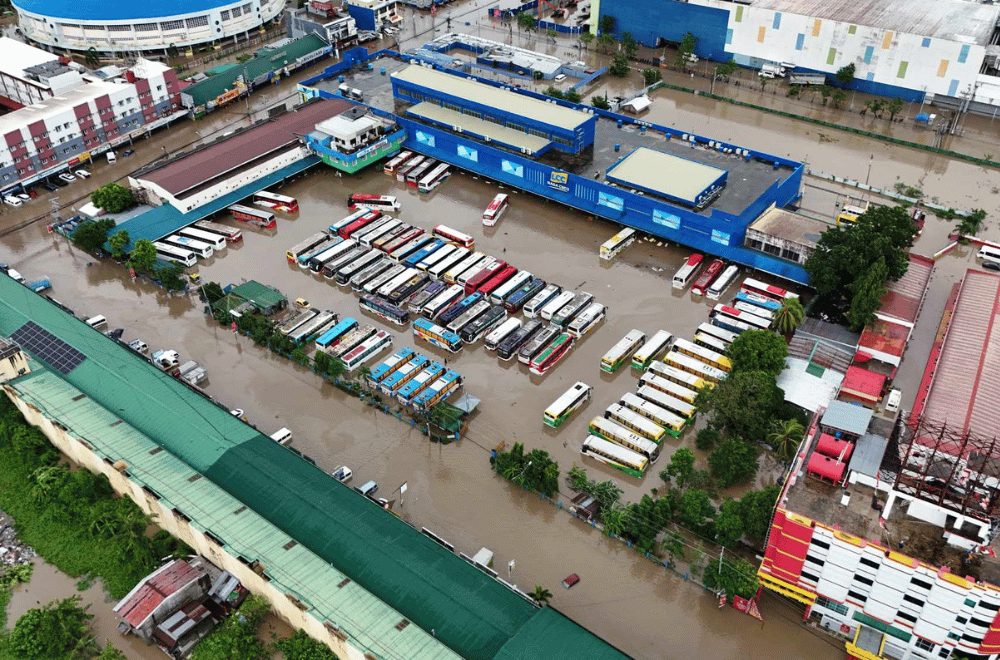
669,422
389,365
614,432
651,350
371,272
426,250
509,347
215,240
501,332
329,242
541,299
436,335
675,404
540,340
435,257
340,260
556,304
724,281
455,236
402,292
469,261
495,210
515,301
634,422
417,302
753,320
434,178
758,300
587,320
443,301
755,310
199,248
390,236
579,302
175,254
693,366
614,455
350,340
264,219
417,384
687,272
620,353
308,244
392,384
459,308
673,374
474,330
374,202
652,381
551,354
231,234
764,289
705,280
384,310
414,176
375,230
332,337
391,285
402,239
308,331
725,336
352,268
710,342
270,200
348,220
614,245
358,225
408,167
702,354
376,282
497,280
367,350
482,277
332,251
405,250
475,270
457,255
396,162
728,323
469,315
500,294
290,325
438,391
566,404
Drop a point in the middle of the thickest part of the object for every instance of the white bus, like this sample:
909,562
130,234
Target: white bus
348,220
438,270
554,305
587,320
614,455
470,260
750,308
633,421
613,431
540,299
317,262
495,210
469,315
203,250
376,282
667,420
374,202
723,282
217,242
467,275
694,366
702,354
396,281
434,178
455,236
435,257
349,270
443,301
614,245
500,294
373,226
662,399
651,381
687,272
566,404
366,350
619,354
231,234
501,332
651,349
175,254
384,229
710,342
719,333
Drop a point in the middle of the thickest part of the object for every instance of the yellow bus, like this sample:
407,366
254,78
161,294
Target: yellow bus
695,367
702,354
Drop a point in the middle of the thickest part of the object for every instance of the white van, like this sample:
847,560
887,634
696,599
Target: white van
282,436
97,321
112,158
16,276
369,489
989,253
893,400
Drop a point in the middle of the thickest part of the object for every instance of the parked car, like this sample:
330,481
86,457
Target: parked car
59,182
991,265
67,177
12,200
112,158
559,78
893,400
83,174
303,303
138,345
237,413
127,153
342,474
571,580
51,187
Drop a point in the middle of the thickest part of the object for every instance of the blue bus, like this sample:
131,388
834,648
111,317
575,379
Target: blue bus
330,338
388,366
459,308
395,382
419,383
435,334
418,256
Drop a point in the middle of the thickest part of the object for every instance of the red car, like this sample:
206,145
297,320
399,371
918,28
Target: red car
571,580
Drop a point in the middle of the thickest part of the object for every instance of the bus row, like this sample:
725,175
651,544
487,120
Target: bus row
421,172
413,380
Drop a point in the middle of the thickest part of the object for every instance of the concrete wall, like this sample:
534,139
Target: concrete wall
654,21
81,454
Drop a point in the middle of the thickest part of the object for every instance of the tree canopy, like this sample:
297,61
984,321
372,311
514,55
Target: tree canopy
845,74
91,236
117,242
734,575
143,256
681,467
743,405
113,198
301,646
54,630
236,637
732,462
758,350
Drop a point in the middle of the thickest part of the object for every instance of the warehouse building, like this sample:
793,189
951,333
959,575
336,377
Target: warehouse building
944,52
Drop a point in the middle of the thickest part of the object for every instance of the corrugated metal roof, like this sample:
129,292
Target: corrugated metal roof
512,103
868,453
260,295
288,498
143,600
479,127
847,417
552,636
967,22
664,173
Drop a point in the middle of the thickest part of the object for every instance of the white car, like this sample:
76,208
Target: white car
561,77
138,345
22,197
83,174
112,158
12,200
67,177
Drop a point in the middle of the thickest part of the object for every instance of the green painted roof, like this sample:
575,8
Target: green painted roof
552,636
270,59
261,296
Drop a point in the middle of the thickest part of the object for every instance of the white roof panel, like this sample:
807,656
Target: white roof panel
892,577
880,610
835,573
832,590
665,174
930,631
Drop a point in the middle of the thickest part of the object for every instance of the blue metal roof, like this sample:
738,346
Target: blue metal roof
848,417
99,10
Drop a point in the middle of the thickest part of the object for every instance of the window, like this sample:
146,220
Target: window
145,27
839,608
669,220
119,28
512,168
823,544
961,619
906,616
425,138
973,639
922,583
720,237
814,560
989,606
246,8
237,12
197,21
869,563
612,202
979,622
861,598
924,645
172,25
810,576
863,580
910,599
224,15
944,652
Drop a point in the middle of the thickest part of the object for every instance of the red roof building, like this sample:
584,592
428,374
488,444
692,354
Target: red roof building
863,384
159,594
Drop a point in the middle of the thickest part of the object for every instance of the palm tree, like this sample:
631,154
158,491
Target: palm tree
92,58
789,316
541,595
786,438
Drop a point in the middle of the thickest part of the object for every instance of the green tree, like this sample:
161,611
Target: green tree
600,102
757,510
845,74
55,630
868,292
644,521
839,96
551,34
651,75
113,198
171,277
143,256
554,92
726,69
681,467
526,22
894,107
694,509
729,524
734,461
758,350
685,49
236,637
629,45
613,519
110,652
733,575
672,545
172,52
707,438
742,405
586,38
572,96
91,236
541,595
619,65
607,24
301,646
789,316
608,493
786,438
92,59
577,477
117,242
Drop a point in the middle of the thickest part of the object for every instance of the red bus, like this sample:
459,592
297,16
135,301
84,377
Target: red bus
487,287
477,280
366,219
705,279
402,239
751,285
455,236
260,218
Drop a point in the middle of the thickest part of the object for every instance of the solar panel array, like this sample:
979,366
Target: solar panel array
48,348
